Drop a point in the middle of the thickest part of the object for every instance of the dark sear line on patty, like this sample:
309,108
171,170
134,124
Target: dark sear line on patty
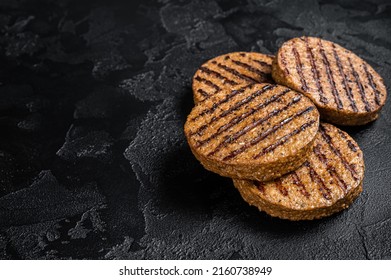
372,84
200,130
262,63
284,63
331,169
255,123
203,93
226,99
337,152
315,72
246,100
260,186
345,84
330,78
250,68
299,68
208,83
297,181
351,145
260,137
242,117
235,73
233,108
315,177
216,105
284,139
280,187
359,85
217,75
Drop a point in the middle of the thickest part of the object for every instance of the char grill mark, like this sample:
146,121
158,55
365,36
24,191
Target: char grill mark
297,181
284,139
208,83
217,75
330,78
250,68
203,93
325,191
351,145
280,187
283,61
331,169
246,100
299,68
337,152
345,84
242,117
236,73
315,72
359,85
200,130
246,129
372,84
260,186
216,105
263,135
262,63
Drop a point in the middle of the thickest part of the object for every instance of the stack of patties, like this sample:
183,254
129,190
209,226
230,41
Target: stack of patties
265,133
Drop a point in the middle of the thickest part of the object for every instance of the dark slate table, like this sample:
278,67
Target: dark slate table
94,163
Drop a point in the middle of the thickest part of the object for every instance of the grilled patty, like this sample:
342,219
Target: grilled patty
328,181
346,89
231,70
258,132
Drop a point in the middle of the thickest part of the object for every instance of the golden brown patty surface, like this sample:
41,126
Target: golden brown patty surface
259,132
346,89
229,71
326,183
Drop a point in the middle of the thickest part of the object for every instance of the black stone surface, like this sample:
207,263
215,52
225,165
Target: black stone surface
93,160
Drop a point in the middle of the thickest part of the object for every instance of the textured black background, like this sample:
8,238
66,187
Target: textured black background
93,160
